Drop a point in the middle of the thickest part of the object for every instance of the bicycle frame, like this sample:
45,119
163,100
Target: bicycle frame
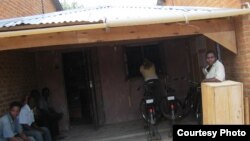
149,103
150,109
193,100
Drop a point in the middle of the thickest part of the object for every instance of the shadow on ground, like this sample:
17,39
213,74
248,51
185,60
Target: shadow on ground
127,131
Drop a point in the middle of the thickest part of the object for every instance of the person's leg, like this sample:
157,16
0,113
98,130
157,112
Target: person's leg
2,139
47,136
35,134
20,139
52,128
31,138
56,117
56,124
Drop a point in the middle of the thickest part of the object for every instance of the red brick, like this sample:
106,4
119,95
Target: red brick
17,70
212,3
19,8
17,75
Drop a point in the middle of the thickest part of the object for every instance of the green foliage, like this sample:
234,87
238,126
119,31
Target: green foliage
73,5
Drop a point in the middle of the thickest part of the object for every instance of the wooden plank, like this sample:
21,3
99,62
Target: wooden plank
38,41
226,38
236,104
247,115
208,105
223,103
117,34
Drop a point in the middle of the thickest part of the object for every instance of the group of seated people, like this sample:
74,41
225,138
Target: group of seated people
30,120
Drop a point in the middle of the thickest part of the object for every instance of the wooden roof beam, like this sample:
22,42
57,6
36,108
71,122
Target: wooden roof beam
118,34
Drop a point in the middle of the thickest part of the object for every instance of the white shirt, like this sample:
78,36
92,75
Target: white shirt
26,115
217,71
148,73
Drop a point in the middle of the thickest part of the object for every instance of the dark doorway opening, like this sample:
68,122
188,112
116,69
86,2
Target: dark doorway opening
79,87
135,56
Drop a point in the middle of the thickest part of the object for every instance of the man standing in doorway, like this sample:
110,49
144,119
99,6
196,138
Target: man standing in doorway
214,71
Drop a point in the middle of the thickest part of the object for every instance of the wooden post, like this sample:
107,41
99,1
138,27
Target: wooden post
247,116
223,103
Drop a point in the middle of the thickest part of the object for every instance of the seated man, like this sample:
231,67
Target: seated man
215,71
10,129
27,120
52,116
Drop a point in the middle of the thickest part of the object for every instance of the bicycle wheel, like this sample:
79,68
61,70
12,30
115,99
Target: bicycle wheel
143,111
187,106
167,112
199,112
153,133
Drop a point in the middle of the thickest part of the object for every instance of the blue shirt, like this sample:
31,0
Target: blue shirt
9,127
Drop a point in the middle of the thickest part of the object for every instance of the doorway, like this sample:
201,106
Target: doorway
79,87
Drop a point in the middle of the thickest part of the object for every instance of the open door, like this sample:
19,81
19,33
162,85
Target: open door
80,88
92,89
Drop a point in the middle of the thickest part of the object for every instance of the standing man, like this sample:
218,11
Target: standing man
10,129
214,71
27,120
148,72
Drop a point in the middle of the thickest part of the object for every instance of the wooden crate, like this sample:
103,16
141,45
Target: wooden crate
222,103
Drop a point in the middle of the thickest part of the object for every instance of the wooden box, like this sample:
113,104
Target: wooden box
222,103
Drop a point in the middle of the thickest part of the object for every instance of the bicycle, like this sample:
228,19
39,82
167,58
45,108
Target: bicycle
192,102
149,111
171,108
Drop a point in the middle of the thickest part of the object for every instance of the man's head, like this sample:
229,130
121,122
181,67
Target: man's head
26,99
147,64
45,92
32,102
211,57
14,109
35,93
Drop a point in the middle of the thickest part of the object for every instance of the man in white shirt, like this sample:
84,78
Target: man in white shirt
27,120
214,71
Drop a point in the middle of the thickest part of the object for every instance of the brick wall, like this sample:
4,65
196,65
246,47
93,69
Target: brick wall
18,8
17,69
17,77
211,3
237,66
241,66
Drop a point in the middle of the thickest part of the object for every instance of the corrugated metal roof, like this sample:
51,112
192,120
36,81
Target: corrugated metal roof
106,13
